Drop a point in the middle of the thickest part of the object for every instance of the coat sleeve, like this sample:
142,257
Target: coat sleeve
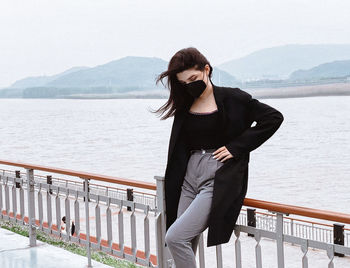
268,120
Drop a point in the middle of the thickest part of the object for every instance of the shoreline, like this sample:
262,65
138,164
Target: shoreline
336,89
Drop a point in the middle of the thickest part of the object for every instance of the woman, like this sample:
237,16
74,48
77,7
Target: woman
207,167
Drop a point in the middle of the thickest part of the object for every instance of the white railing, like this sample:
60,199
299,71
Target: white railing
111,222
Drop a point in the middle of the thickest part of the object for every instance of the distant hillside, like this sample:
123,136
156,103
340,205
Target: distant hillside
116,77
326,70
279,62
37,81
222,78
131,76
128,71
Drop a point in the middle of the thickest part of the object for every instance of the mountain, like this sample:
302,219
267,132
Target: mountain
129,71
37,81
222,78
326,70
280,61
120,76
137,75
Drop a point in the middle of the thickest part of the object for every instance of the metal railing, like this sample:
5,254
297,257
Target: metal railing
42,205
115,192
39,203
274,227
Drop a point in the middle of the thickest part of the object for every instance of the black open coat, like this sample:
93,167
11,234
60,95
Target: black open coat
237,111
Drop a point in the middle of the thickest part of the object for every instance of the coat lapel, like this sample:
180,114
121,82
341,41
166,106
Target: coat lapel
180,117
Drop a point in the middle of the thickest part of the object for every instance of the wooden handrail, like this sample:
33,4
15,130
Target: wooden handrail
297,210
272,206
83,175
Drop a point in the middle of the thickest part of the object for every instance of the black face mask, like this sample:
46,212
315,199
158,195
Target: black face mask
196,88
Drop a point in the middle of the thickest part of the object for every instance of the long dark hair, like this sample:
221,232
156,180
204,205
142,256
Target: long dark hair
179,99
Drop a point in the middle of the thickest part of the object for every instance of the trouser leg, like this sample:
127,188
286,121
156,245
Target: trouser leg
188,193
188,227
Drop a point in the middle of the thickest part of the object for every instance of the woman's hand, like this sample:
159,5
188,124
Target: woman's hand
222,154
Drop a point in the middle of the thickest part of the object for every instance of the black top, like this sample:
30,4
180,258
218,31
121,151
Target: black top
202,130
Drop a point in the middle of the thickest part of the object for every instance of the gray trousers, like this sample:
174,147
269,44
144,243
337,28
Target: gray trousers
182,237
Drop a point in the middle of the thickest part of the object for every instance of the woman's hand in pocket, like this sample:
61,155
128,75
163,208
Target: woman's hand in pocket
222,154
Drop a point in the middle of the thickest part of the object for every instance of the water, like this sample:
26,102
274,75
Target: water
305,163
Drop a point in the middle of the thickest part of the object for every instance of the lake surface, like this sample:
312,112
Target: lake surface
305,163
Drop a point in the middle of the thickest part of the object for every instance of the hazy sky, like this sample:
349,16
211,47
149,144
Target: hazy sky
45,37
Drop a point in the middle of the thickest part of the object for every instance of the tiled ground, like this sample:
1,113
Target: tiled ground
15,252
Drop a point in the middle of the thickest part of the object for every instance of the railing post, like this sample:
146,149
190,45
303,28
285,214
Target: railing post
18,175
86,186
251,219
31,207
49,181
86,200
129,196
279,240
338,236
292,229
14,197
163,254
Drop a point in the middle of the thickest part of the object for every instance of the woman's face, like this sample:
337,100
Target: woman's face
190,75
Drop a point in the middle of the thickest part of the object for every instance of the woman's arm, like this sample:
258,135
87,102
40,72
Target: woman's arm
268,120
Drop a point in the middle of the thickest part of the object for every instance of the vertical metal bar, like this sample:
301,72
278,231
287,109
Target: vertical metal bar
279,240
86,197
238,251
49,209
147,236
258,255
158,230
133,232
292,229
67,209
163,253
7,198
58,210
40,208
330,254
0,197
323,236
77,215
31,207
201,251
14,199
121,228
304,248
219,263
98,223
21,201
154,205
109,224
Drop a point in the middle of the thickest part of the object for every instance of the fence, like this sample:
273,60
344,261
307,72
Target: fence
36,201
